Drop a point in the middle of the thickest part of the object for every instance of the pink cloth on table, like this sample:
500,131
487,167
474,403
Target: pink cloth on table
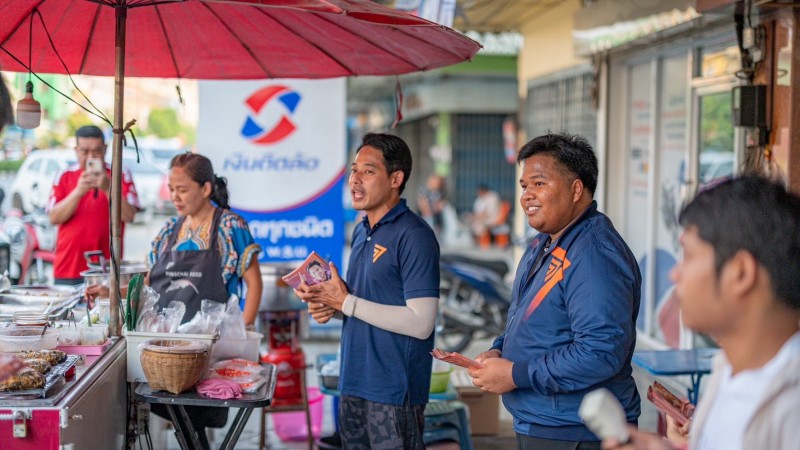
219,388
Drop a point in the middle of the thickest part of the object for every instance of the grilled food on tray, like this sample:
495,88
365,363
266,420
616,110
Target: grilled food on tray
24,380
39,364
51,356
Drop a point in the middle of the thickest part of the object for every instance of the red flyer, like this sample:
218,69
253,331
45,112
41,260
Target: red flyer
455,358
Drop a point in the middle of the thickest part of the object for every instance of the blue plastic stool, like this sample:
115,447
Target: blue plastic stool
447,420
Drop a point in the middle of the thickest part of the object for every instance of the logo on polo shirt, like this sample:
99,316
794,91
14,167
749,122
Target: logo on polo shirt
377,252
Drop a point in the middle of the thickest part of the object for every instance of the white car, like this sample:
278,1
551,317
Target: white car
158,156
31,187
146,177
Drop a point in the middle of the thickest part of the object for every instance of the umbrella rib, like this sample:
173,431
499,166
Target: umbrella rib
89,37
389,50
350,71
246,48
19,23
169,43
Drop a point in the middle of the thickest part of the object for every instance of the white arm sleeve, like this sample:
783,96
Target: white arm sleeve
416,319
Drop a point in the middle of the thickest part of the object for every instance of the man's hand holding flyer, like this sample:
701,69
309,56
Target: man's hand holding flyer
455,358
314,270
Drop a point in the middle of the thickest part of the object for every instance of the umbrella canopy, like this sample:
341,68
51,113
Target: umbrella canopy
244,39
215,39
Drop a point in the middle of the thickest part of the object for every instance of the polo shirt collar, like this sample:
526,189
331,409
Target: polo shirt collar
390,216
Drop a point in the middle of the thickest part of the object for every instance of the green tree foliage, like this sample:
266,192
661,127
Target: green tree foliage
76,120
716,128
163,122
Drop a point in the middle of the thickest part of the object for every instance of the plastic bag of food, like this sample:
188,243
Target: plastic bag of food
147,316
232,326
207,320
249,375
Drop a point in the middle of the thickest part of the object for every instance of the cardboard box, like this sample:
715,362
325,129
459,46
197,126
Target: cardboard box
484,407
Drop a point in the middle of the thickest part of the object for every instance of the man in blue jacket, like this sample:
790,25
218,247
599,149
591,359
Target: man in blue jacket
572,323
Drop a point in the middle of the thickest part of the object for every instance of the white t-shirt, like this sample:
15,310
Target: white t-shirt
738,398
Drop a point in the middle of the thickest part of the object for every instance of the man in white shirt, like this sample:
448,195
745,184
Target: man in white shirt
738,282
485,210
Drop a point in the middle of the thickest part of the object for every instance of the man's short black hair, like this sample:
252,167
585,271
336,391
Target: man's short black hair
574,153
758,216
396,154
90,131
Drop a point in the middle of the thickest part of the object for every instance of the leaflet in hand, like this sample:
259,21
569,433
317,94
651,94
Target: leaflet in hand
679,409
314,270
455,358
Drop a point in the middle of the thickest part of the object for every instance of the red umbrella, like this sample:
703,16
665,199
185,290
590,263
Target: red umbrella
216,39
244,39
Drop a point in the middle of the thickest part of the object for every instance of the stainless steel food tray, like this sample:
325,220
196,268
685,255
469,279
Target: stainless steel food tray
57,298
54,381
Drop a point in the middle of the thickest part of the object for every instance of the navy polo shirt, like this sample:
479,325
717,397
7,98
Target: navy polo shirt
394,261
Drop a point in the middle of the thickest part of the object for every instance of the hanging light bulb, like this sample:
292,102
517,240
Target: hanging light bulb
29,111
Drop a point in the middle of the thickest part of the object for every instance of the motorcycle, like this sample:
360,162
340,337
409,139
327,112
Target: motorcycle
474,300
33,245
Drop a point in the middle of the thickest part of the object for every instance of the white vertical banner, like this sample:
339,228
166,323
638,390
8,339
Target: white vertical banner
281,146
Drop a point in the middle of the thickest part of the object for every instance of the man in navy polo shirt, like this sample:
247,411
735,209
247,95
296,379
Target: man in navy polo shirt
388,305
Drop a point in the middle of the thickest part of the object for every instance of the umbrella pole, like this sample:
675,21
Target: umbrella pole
116,171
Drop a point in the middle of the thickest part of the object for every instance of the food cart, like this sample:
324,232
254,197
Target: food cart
85,410
83,403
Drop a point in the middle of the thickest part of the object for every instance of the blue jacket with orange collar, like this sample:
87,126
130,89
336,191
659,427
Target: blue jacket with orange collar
571,328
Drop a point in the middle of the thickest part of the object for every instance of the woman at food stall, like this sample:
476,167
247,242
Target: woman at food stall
206,252
213,246
205,238
204,241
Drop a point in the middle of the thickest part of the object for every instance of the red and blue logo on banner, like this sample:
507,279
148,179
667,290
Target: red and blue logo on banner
258,134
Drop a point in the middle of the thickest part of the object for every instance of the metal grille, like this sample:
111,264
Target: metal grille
563,104
478,158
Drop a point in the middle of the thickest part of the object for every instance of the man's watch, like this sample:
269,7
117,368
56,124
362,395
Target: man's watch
250,327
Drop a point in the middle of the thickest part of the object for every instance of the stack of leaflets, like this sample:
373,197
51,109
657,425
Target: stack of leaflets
678,408
455,358
314,270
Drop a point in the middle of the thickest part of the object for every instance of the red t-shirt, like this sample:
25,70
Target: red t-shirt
89,227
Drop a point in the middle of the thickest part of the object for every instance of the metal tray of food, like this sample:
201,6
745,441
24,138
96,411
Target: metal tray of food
55,379
55,299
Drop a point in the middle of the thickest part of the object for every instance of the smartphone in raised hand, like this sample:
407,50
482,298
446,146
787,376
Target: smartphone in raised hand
94,167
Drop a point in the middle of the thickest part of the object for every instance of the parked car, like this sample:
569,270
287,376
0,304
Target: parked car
158,156
31,187
146,177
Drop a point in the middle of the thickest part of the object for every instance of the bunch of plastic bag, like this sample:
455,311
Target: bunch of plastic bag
207,320
232,326
166,321
247,374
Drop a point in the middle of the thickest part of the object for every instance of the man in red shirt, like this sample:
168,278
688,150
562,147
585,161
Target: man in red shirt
79,205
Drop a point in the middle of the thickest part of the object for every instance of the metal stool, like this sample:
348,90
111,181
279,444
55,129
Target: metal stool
301,406
447,420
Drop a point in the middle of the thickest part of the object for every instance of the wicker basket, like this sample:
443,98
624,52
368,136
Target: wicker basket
170,366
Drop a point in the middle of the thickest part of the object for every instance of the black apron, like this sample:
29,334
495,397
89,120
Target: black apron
190,276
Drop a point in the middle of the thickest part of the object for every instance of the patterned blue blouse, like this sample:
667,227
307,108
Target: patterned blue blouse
234,241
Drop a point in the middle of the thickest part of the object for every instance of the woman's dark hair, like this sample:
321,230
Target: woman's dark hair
199,169
573,152
396,154
757,216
